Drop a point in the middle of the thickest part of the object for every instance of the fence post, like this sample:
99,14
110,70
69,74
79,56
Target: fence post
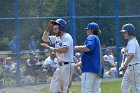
72,19
17,42
116,12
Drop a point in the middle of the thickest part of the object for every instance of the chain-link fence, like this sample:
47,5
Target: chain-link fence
22,23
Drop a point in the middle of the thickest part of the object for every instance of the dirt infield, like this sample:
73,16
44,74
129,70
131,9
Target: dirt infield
23,89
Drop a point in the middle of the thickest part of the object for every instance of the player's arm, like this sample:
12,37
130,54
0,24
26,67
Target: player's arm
77,65
59,50
125,64
130,57
131,52
89,46
45,36
82,47
67,42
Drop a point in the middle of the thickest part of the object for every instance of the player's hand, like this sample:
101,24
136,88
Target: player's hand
123,67
50,23
123,51
45,45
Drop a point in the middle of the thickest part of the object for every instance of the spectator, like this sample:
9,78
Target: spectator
30,66
78,56
112,73
9,65
32,60
109,59
32,43
51,61
12,45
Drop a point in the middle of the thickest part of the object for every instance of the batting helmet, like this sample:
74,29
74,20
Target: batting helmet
62,24
130,28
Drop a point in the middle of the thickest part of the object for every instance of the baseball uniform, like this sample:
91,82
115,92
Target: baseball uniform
132,75
92,68
61,77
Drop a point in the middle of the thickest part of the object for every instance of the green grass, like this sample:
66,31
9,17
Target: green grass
111,87
1,69
106,87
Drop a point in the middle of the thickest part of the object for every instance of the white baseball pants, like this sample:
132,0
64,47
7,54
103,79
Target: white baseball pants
61,79
90,83
131,79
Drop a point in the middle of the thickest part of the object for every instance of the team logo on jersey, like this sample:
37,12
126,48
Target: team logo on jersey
58,43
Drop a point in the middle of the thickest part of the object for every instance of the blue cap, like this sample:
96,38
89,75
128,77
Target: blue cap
128,27
93,26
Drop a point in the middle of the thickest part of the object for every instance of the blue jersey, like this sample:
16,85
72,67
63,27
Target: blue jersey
32,44
12,45
91,61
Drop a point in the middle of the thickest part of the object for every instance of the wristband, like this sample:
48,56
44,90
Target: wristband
52,48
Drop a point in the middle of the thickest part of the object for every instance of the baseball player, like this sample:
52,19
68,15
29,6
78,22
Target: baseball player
132,63
92,69
64,53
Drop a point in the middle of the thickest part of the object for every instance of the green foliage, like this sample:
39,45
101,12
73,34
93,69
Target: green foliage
4,43
1,69
3,40
60,8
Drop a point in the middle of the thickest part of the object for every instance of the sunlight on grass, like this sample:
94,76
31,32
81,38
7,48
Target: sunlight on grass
106,87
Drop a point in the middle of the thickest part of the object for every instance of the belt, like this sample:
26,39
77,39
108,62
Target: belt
64,63
133,64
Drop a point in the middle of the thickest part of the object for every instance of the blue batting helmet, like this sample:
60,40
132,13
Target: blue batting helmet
62,24
130,28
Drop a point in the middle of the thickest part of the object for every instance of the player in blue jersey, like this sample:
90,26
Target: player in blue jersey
92,68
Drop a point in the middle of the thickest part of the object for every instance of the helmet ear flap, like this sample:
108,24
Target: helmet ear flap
61,28
131,33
